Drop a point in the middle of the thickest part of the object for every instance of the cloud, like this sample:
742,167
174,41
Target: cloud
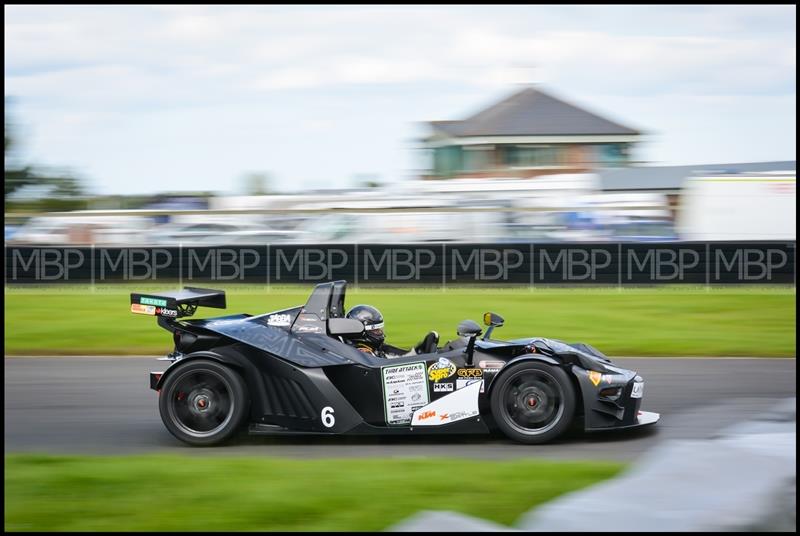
293,76
314,48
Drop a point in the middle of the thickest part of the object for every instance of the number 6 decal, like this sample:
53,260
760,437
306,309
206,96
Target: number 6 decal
327,417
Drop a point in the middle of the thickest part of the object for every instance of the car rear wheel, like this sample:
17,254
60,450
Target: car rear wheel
203,402
533,402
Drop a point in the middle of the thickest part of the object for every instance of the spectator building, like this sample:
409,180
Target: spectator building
528,134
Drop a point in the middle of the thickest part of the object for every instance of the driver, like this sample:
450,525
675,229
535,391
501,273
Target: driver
372,340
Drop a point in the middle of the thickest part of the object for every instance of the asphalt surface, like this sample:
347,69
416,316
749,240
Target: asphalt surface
103,405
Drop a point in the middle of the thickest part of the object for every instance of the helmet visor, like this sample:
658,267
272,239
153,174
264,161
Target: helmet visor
374,331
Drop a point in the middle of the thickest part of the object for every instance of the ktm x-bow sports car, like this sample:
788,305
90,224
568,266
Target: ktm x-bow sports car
296,371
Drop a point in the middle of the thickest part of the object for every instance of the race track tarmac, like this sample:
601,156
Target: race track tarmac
103,405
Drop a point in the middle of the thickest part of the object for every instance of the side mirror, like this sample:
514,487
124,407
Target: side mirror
346,327
471,329
493,320
468,328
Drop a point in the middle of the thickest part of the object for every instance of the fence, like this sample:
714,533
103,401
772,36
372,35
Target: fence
705,263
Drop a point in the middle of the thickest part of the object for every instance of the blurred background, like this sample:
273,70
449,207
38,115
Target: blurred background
251,125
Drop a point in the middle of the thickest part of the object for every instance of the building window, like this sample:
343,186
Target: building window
478,157
535,155
611,153
447,160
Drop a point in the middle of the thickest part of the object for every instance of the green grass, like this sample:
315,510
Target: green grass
173,493
745,321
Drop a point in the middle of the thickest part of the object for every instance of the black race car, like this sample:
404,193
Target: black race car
296,371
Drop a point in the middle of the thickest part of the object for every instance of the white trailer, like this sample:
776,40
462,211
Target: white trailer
742,206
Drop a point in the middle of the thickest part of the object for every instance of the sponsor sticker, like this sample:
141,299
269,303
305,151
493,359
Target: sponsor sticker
143,309
457,416
280,320
443,368
405,390
309,328
442,387
470,373
595,377
166,312
144,300
638,390
455,406
491,365
463,382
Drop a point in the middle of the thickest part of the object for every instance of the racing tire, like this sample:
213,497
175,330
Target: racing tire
533,402
203,402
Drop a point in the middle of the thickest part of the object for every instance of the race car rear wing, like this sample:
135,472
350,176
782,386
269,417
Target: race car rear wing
176,303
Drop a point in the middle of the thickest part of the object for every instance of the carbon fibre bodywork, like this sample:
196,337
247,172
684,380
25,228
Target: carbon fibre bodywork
302,379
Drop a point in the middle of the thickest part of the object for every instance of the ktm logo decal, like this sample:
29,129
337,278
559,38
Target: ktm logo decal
595,377
426,414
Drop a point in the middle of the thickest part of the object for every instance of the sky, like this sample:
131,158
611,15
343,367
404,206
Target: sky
142,99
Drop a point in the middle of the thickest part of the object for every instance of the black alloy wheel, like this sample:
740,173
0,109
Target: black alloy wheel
533,402
203,402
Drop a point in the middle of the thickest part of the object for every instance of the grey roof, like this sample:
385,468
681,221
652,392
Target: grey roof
532,112
672,177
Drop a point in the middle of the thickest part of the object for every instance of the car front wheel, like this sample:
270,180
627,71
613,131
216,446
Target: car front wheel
203,402
533,402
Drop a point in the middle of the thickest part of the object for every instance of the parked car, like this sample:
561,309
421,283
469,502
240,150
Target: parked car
217,234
